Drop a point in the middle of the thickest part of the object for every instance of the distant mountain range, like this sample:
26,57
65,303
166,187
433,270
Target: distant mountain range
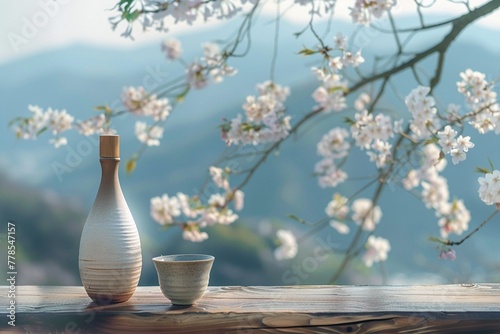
80,77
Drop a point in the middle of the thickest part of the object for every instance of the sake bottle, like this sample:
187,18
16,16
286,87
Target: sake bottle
110,259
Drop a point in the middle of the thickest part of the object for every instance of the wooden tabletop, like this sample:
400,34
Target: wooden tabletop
466,308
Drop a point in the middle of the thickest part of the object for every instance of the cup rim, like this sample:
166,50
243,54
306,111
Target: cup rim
183,258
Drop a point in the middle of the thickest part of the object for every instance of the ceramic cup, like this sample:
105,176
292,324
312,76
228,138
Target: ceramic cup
183,278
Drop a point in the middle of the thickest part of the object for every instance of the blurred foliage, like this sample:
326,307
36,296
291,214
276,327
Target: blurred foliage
47,229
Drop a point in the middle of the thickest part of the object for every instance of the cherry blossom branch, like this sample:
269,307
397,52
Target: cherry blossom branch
456,243
274,146
458,25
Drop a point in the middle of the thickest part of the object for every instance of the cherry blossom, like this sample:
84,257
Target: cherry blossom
489,188
448,254
352,59
156,13
377,249
53,120
364,11
334,144
93,125
340,227
369,128
422,107
58,141
340,41
435,193
329,175
337,208
288,248
149,135
362,101
265,118
481,99
382,154
193,233
172,48
455,147
330,95
141,103
239,197
197,214
188,205
455,219
220,177
365,214
164,209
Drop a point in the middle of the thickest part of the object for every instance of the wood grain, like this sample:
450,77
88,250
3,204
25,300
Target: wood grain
467,308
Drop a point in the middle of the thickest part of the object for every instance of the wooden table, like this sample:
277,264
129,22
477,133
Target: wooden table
466,308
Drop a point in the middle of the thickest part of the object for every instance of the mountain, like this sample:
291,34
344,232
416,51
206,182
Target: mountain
80,77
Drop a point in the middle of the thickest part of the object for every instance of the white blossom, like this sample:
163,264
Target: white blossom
220,177
455,147
489,188
382,153
328,173
330,95
56,121
377,249
455,219
141,103
288,248
335,64
334,144
369,128
448,254
58,141
164,209
340,227
435,193
239,197
214,215
365,214
185,205
172,48
481,99
149,135
340,41
364,11
422,107
352,59
196,77
92,125
194,234
362,101
337,207
265,120
217,200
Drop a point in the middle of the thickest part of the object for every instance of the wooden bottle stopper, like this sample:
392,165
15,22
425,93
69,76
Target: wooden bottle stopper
109,146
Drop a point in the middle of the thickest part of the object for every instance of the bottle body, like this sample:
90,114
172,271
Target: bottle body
110,259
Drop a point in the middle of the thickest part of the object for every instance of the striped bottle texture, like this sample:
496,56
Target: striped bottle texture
110,259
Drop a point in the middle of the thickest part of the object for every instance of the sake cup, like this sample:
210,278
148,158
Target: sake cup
183,278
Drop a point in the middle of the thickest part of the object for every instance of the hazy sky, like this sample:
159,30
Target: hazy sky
87,22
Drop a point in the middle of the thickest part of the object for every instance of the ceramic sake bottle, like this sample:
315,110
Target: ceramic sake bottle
110,259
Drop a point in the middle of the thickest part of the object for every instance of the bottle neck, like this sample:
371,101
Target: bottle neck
109,168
